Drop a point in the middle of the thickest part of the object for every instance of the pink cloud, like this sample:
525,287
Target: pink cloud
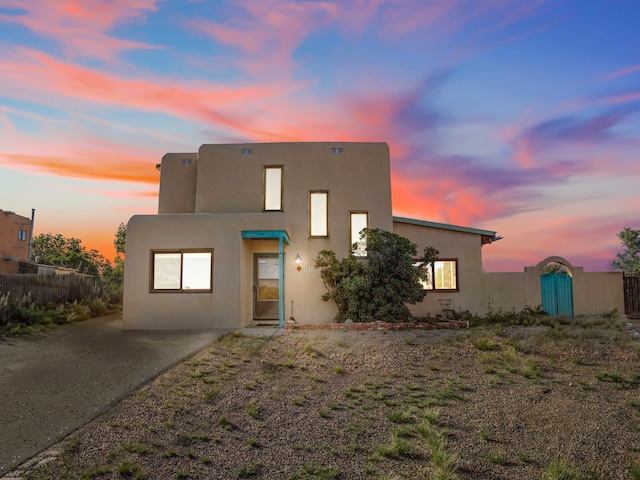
622,72
268,32
29,71
440,200
105,165
624,97
81,26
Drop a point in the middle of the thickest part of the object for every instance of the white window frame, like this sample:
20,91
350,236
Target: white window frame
272,188
177,267
319,213
22,234
354,236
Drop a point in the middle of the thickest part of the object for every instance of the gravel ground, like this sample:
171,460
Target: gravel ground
500,402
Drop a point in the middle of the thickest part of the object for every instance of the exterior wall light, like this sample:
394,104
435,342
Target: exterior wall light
298,260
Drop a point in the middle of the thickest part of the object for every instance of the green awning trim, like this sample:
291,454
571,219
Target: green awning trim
266,234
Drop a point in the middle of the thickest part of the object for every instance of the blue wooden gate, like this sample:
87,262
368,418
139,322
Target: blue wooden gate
557,294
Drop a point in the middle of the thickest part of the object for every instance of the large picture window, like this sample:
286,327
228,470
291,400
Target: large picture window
319,214
441,275
182,271
273,188
358,221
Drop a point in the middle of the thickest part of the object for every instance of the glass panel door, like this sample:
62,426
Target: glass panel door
266,290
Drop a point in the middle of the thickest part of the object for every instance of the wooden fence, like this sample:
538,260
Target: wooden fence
632,296
50,289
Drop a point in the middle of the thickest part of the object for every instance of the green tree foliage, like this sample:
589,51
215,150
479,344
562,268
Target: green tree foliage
379,286
554,268
628,260
49,249
120,240
113,275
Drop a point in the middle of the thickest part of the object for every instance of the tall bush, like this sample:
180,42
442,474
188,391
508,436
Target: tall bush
377,287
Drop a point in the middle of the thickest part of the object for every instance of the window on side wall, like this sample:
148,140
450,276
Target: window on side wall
22,234
442,275
319,214
273,188
182,271
358,221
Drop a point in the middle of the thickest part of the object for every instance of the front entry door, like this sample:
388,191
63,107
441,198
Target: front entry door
266,290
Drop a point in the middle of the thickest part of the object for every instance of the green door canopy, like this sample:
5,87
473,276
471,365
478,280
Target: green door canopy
266,234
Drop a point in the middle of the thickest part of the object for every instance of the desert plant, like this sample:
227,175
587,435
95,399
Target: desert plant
250,470
252,409
127,468
380,287
484,343
499,458
315,472
634,470
560,470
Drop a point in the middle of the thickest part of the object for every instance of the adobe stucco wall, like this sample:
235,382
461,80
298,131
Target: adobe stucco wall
465,247
594,293
507,291
222,308
178,183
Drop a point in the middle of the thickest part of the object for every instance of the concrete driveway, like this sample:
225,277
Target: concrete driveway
54,382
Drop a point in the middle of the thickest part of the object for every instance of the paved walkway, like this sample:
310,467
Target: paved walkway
54,382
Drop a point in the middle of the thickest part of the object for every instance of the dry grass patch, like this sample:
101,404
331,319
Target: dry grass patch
379,405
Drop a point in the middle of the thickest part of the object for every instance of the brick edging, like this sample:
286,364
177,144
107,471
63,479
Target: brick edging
453,324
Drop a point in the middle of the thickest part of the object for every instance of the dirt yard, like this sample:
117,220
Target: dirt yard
553,400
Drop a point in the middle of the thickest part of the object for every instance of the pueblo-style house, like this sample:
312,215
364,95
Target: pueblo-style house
239,226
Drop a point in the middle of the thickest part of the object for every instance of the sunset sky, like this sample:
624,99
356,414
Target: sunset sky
521,117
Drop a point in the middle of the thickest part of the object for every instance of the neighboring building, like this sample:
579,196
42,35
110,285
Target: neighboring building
15,234
239,226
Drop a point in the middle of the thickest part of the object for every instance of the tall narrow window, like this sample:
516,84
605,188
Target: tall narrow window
273,188
318,214
358,222
182,271
22,234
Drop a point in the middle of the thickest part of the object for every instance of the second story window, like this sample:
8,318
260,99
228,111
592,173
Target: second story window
273,188
22,234
358,221
319,214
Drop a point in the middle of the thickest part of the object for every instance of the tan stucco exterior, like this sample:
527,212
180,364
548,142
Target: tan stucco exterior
594,293
461,244
208,199
214,199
